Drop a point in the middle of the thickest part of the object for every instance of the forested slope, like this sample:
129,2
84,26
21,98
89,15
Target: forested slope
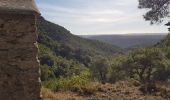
62,53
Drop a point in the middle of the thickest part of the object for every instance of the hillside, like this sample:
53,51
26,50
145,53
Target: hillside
62,53
164,42
126,89
73,67
78,68
128,41
63,37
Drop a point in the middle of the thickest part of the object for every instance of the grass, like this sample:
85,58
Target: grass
67,83
51,95
121,90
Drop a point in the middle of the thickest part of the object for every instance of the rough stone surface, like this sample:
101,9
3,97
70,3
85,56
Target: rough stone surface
19,67
19,6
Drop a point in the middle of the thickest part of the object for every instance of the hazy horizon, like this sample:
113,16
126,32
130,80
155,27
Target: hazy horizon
98,17
127,34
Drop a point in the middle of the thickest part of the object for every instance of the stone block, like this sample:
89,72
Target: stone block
19,67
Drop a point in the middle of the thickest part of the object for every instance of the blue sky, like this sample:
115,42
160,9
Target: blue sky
90,17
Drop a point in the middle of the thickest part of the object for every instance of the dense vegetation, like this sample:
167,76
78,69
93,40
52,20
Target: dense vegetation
145,65
64,54
69,62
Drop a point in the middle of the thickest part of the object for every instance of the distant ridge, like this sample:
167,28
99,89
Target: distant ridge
125,34
129,40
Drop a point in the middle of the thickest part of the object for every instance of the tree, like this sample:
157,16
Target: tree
147,64
158,9
100,69
46,59
116,70
46,73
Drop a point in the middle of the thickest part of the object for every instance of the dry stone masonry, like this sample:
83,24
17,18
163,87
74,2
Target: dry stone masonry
19,67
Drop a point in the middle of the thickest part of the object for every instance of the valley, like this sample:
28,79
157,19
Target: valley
89,68
129,40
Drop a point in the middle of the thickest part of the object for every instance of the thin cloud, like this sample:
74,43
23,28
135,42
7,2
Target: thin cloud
97,16
85,15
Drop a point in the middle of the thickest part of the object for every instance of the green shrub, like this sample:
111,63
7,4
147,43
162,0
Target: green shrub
116,70
46,73
67,83
46,59
99,69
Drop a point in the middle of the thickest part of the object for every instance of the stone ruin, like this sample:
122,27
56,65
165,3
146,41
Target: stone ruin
19,66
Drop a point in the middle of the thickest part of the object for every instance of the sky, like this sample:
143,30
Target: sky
94,17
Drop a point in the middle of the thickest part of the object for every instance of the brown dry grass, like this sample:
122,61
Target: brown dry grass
50,95
123,90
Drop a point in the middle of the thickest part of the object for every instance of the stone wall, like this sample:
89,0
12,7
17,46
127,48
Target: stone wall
19,67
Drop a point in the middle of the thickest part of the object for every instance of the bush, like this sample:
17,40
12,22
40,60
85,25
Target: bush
46,73
47,94
46,59
67,83
99,69
116,70
147,65
87,89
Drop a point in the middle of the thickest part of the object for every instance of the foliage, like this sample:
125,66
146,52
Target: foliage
99,69
158,9
69,46
68,82
60,67
62,54
68,68
144,64
165,43
46,73
69,62
48,94
116,70
46,59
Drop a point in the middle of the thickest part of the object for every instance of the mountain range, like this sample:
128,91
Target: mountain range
128,40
